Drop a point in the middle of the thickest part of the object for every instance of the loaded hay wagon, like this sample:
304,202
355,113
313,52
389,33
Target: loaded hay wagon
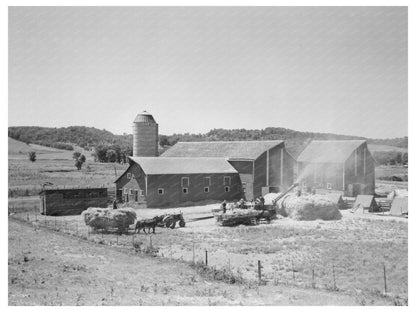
253,215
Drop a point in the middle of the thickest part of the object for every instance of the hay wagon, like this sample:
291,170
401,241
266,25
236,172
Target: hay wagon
244,216
170,220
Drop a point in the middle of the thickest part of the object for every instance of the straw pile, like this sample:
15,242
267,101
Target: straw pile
105,218
308,207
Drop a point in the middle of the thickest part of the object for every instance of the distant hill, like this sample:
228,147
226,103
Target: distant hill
89,137
17,147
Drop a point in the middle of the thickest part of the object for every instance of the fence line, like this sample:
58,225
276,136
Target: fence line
65,227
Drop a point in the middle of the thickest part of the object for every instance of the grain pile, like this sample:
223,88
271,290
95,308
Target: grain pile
308,207
106,218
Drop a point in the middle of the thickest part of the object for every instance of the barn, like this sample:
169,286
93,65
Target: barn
262,165
71,201
344,165
163,181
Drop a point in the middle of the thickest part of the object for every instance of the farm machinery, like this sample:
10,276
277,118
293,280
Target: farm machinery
170,220
251,214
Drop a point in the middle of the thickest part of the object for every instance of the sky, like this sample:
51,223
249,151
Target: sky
321,69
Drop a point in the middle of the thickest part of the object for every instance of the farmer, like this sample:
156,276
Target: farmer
261,201
115,204
224,206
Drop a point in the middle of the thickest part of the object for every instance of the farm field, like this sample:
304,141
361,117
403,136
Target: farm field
49,268
347,255
341,259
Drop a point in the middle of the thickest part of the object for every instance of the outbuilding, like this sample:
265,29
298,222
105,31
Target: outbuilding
71,201
163,182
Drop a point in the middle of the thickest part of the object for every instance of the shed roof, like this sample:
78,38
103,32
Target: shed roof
364,202
248,150
334,151
183,165
335,197
399,206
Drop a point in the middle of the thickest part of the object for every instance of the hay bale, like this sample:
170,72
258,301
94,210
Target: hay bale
270,197
308,207
105,218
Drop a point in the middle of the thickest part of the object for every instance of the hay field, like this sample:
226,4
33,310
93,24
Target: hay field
57,167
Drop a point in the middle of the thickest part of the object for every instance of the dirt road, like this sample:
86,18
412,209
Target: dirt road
49,268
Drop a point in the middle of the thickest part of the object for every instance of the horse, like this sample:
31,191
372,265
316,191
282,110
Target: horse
148,223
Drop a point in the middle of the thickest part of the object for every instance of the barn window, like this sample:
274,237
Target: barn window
185,190
131,192
227,180
141,192
206,189
227,189
126,191
128,175
329,186
244,186
184,181
207,182
161,191
136,195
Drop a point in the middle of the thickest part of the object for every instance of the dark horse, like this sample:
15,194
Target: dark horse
148,224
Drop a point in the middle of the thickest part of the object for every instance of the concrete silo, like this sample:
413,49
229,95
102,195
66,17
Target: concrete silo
145,136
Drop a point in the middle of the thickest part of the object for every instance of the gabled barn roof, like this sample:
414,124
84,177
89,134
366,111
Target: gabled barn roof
183,165
329,151
249,150
335,197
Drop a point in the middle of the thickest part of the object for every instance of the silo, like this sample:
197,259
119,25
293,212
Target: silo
145,136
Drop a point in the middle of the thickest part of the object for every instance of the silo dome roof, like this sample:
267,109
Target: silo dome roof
144,117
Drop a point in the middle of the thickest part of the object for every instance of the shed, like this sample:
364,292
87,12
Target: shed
365,202
399,206
337,199
71,201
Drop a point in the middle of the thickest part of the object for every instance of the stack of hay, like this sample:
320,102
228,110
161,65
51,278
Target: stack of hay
308,207
105,218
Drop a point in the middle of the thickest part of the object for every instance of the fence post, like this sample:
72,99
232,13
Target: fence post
206,257
259,269
333,273
77,228
27,217
385,279
293,270
313,278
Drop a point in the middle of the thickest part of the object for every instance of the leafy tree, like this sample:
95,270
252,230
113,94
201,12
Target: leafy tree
111,155
32,156
76,155
80,161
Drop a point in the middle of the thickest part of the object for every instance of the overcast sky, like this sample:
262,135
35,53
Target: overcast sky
341,70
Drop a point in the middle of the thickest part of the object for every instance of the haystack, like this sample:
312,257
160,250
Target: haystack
106,218
308,207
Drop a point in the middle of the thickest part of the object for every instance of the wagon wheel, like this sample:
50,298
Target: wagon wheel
173,225
182,223
168,223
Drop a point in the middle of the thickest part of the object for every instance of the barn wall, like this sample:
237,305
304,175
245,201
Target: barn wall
64,202
136,182
359,177
174,195
245,170
260,171
318,176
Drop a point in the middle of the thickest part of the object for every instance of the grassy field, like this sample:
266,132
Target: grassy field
57,167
